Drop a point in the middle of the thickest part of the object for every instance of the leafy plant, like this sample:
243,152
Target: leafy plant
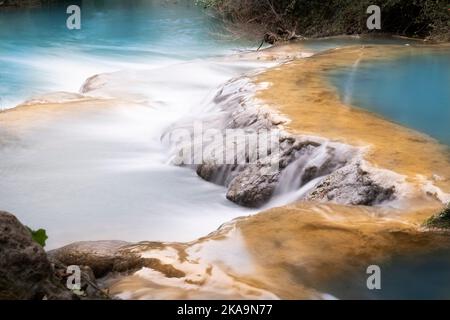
39,236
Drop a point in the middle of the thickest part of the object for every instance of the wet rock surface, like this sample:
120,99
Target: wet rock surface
351,185
28,273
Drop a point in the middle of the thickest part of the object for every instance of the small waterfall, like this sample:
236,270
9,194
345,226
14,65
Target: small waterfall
309,168
301,175
306,167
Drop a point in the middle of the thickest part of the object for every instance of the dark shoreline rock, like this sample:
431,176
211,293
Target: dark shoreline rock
28,273
441,221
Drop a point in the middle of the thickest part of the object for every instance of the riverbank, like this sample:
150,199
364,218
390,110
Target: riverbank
285,20
27,4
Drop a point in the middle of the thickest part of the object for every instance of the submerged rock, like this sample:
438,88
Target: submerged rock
25,271
439,221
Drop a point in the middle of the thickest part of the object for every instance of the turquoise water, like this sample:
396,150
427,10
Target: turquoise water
39,54
413,91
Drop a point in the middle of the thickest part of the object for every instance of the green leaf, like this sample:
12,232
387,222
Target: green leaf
39,236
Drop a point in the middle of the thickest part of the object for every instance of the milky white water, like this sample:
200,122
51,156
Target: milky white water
103,173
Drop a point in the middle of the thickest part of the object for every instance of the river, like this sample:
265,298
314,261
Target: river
101,172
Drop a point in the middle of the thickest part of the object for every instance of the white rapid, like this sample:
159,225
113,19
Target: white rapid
98,172
293,195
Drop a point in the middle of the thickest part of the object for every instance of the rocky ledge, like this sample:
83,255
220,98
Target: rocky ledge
28,273
330,171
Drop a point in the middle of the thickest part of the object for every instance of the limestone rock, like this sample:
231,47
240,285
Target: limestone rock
251,188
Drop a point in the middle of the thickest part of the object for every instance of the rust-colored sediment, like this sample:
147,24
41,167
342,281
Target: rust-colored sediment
308,245
28,117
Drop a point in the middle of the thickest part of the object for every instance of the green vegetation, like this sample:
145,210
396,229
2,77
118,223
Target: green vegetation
282,19
24,3
439,221
39,236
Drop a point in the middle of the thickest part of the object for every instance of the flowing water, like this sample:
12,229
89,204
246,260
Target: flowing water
39,54
104,174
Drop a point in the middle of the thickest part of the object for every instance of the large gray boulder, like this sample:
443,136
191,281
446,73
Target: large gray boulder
351,185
